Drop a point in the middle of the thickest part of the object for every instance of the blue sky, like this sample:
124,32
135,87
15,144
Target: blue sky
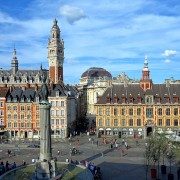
113,34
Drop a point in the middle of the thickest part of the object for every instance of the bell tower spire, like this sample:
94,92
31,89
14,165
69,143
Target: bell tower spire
146,82
14,62
55,54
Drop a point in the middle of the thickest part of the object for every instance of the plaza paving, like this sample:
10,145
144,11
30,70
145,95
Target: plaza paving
114,164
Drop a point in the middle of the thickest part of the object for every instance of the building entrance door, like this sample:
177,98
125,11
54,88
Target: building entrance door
149,131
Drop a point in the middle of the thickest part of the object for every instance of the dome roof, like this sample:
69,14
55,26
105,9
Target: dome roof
95,72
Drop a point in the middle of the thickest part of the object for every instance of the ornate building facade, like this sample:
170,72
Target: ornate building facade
139,109
93,83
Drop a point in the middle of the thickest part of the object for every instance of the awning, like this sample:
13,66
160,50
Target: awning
115,129
130,129
139,129
108,129
101,129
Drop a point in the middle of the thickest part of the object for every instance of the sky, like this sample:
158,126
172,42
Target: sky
113,34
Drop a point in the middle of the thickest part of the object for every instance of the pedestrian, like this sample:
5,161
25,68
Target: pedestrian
7,165
14,165
58,152
126,145
123,141
97,143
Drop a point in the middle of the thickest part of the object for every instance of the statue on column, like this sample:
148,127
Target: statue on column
44,92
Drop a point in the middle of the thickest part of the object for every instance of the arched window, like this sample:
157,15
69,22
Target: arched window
131,111
115,111
168,111
175,122
130,122
107,111
160,111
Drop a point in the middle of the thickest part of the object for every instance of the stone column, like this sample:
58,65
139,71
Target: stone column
45,135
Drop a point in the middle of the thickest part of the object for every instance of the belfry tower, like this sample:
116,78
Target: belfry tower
55,54
146,82
14,62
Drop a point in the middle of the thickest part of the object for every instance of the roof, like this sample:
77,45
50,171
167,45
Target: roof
134,91
95,72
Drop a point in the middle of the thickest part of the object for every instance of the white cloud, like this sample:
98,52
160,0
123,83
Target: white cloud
169,53
72,13
167,61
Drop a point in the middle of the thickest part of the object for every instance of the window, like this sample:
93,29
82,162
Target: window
15,124
107,111
28,116
28,125
167,122
159,122
159,111
53,103
9,116
28,108
37,116
138,111
9,124
57,121
138,122
131,111
62,122
100,111
107,122
168,111
52,121
52,112
123,122
1,112
37,108
22,116
15,116
175,122
22,108
115,111
115,122
57,93
37,124
62,112
123,111
130,122
9,108
100,122
175,111
22,125
149,112
14,108
1,104
149,99
62,103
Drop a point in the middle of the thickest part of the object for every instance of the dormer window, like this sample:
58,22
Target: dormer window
108,99
131,99
37,99
149,99
167,98
123,98
115,98
57,93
